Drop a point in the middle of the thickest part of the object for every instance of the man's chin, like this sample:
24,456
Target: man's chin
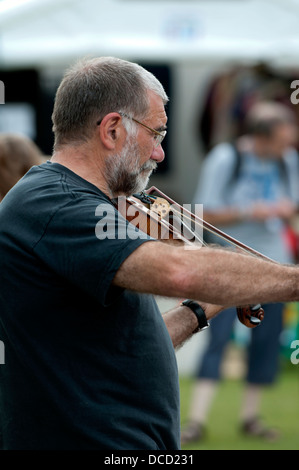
142,183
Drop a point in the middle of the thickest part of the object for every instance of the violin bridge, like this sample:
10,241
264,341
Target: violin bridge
160,206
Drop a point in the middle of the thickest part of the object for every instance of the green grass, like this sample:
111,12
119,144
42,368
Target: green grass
280,409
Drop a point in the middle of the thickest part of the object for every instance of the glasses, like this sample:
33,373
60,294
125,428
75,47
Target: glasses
158,136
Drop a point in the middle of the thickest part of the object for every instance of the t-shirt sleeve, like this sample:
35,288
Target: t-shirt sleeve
85,242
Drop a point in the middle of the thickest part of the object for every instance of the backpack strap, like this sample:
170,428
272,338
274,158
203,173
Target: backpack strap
237,166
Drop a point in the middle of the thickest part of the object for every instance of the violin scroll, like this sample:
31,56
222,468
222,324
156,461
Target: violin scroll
251,315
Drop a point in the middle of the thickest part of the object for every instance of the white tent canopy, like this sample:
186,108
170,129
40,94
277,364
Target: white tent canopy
51,32
197,39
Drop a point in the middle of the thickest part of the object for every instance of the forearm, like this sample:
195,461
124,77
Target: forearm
232,279
212,275
225,217
181,324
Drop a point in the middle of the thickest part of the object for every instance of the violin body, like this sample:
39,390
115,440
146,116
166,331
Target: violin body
162,218
148,221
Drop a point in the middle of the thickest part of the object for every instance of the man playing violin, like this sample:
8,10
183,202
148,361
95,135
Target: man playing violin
89,359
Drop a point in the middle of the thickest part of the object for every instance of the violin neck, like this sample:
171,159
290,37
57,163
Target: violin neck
205,225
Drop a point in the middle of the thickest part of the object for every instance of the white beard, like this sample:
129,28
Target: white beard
123,173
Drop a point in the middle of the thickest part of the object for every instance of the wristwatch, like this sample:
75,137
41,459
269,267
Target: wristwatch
198,311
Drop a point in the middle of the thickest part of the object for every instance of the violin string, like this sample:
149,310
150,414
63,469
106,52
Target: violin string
214,233
190,219
171,227
201,224
208,227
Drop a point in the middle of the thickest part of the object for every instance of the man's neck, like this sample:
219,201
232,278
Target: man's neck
84,163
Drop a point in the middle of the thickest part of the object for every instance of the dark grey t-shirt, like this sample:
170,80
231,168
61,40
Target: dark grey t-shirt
87,365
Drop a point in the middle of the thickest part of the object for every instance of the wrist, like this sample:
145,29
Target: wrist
198,312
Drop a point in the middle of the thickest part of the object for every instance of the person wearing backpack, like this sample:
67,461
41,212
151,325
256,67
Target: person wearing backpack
249,189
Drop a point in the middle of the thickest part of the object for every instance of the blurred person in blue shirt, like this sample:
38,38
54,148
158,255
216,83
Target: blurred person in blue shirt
249,189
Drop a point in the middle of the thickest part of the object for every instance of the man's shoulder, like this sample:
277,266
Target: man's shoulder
53,186
45,194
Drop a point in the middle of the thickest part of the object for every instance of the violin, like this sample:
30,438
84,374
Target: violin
162,218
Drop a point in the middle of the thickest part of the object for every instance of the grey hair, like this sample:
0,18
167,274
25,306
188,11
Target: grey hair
92,88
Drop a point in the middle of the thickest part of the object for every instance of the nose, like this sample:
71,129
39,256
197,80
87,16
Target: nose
158,154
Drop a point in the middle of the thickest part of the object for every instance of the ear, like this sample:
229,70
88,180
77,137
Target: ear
111,131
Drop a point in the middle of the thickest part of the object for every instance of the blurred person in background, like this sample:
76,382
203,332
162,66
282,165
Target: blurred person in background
18,154
249,189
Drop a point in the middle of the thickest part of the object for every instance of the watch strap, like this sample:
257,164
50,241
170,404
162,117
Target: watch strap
198,312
